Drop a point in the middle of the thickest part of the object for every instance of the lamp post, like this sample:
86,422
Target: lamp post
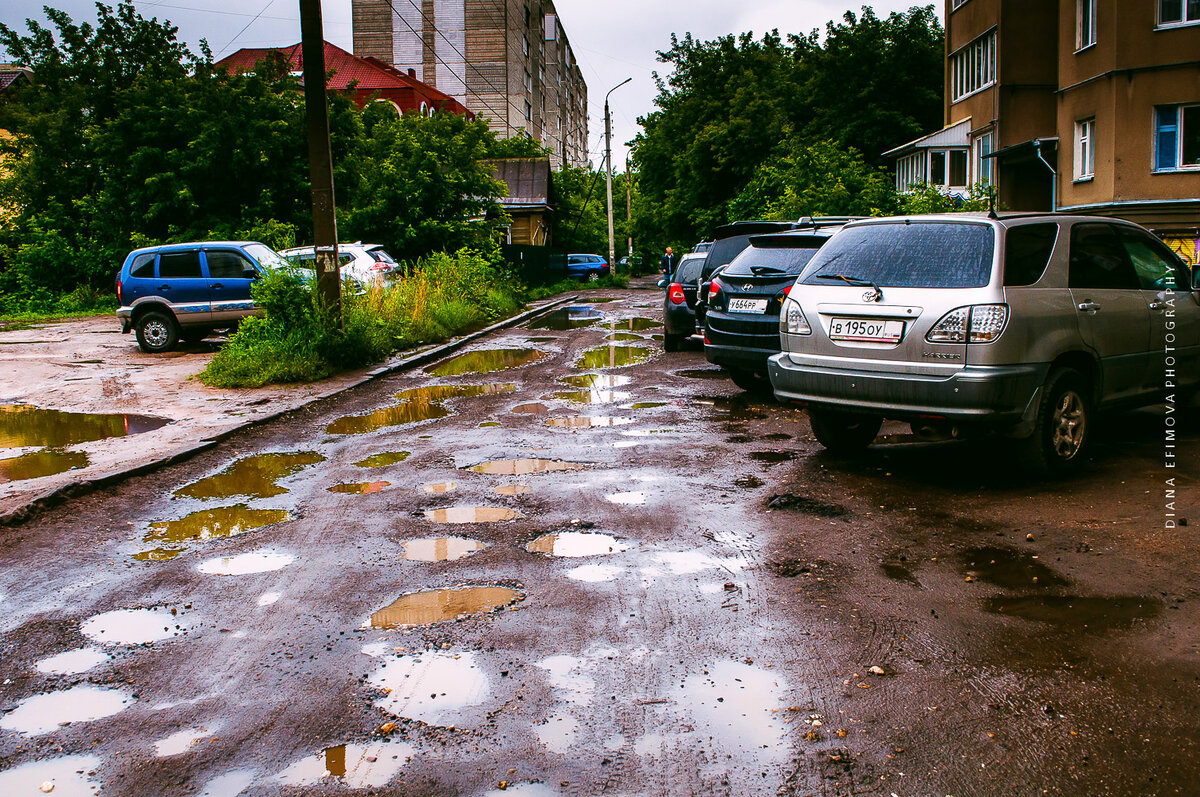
612,247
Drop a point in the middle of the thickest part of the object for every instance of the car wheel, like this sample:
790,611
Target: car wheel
1063,426
672,342
750,381
157,332
842,432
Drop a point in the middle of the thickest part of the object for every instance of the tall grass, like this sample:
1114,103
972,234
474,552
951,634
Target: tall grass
297,339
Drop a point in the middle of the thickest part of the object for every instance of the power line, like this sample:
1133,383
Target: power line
248,24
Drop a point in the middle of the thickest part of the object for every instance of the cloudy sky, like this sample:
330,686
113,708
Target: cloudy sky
613,39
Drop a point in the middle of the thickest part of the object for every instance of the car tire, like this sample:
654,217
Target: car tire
844,432
750,381
673,342
1062,428
157,332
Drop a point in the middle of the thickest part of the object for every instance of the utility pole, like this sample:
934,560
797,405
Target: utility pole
628,214
612,246
320,161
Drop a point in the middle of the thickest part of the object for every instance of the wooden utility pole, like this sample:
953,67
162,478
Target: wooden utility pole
320,161
628,214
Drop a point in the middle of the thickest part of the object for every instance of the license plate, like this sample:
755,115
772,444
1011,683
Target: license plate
867,330
747,305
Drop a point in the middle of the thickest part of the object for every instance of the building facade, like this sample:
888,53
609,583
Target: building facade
1088,106
508,61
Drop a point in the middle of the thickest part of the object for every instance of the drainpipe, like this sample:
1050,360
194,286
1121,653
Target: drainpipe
1037,147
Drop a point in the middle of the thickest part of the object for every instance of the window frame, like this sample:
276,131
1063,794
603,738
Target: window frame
975,64
985,168
1085,38
1183,20
1084,165
1177,164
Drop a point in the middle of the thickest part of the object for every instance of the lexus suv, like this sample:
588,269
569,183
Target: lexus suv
1027,324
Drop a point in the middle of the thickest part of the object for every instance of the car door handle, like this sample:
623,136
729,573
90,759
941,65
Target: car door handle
217,286
164,287
1091,308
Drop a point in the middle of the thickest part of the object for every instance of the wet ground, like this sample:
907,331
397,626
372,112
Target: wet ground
599,569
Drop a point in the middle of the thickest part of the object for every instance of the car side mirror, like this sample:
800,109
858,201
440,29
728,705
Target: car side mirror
662,283
249,273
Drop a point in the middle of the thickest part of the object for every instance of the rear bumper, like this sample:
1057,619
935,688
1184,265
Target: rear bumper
983,395
125,316
745,359
678,319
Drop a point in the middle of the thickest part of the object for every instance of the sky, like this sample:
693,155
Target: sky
612,39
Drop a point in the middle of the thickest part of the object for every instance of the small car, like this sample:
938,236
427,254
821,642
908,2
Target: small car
365,263
1023,324
589,267
185,291
679,301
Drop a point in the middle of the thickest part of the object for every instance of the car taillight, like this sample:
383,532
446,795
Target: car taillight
788,289
980,323
792,320
379,266
676,293
119,292
714,288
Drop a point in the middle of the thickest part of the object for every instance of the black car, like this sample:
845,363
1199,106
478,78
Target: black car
728,241
679,301
741,328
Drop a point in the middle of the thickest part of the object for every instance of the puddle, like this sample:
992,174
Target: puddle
23,425
67,773
254,476
558,733
594,574
575,544
623,337
433,687
133,626
531,409
72,662
614,356
587,421
900,573
359,488
513,489
382,460
523,467
268,598
484,362
686,563
439,605
416,404
440,549
647,405
703,373
565,318
547,339
206,524
596,381
37,464
231,784
777,436
605,299
471,514
1009,568
592,396
356,766
1077,613
489,424
42,714
246,564
631,324
732,410
794,502
525,789
772,457
739,704
181,742
626,499
439,488
748,482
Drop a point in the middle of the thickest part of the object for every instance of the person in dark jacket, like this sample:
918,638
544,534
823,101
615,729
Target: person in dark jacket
667,264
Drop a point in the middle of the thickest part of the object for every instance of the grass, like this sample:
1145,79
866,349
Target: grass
84,301
568,285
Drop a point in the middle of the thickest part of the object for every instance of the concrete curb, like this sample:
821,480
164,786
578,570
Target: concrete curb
58,495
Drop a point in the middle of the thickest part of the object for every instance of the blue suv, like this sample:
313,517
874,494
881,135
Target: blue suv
188,290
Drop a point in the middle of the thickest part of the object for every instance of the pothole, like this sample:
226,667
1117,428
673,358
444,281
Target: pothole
23,425
1071,612
355,766
576,544
471,514
72,662
510,490
533,408
68,774
614,356
254,476
206,524
524,467
440,549
246,564
416,404
440,605
566,318
37,464
134,626
486,361
440,488
1009,568
587,421
434,687
41,714
383,459
359,488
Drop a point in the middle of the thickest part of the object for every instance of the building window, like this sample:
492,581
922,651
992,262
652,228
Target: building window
1085,23
985,167
956,4
973,67
910,171
1176,137
1085,149
1178,12
525,47
528,110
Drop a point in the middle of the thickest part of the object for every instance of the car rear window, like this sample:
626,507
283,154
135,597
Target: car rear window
143,266
1027,252
688,269
381,256
789,260
179,265
907,255
725,250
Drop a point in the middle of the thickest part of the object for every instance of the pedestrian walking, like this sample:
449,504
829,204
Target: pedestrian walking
667,264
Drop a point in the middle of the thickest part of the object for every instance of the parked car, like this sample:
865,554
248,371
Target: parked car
741,327
702,247
188,290
728,242
1027,324
364,263
679,301
589,267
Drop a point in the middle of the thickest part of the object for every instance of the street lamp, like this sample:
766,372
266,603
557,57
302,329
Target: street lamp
612,247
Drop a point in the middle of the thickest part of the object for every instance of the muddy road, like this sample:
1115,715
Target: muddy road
566,563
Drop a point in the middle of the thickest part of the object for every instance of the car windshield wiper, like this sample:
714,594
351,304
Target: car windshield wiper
849,279
759,271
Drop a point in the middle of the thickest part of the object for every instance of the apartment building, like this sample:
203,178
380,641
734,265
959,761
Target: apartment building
508,61
1088,106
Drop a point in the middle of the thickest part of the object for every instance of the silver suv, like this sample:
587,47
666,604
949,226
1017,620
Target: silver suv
1026,324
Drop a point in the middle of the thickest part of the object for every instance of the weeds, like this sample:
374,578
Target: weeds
566,285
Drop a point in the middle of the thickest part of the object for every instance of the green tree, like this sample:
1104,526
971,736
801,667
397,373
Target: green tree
581,220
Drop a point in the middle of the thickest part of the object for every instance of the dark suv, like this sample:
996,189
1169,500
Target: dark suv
679,301
188,290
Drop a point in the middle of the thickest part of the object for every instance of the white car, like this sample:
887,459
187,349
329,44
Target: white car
364,263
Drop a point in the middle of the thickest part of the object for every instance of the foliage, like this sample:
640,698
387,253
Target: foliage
297,340
569,285
926,198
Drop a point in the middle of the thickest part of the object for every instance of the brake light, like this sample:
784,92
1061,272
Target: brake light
119,292
676,293
980,323
379,266
792,320
714,288
788,289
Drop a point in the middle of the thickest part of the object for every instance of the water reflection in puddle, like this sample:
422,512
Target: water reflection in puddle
587,421
591,396
22,425
513,489
253,476
182,741
738,703
134,626
1009,568
356,766
522,467
439,488
231,784
68,774
440,605
546,339
703,373
531,409
206,524
565,318
416,404
772,457
440,549
631,324
575,544
596,381
359,488
623,337
432,687
471,514
647,405
483,362
72,662
614,356
594,574
41,714
37,464
627,499
382,460
1072,612
246,564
